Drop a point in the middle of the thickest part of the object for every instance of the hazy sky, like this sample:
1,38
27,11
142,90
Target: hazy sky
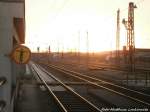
60,23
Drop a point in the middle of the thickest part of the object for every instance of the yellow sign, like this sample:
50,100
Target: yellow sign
21,54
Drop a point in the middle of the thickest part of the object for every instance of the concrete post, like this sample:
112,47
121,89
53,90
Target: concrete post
8,11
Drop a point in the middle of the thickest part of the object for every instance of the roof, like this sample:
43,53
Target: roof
20,28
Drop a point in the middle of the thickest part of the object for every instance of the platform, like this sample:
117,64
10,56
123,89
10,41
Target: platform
31,97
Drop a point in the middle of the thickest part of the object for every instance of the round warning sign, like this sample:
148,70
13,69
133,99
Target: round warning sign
21,54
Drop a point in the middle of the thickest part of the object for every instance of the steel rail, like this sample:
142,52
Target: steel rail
34,67
98,85
67,83
112,84
112,67
72,91
99,66
102,81
119,68
108,83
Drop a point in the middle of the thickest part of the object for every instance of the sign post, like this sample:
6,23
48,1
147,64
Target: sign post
21,54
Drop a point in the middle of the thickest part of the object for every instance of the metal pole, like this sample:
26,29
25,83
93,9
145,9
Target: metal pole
87,51
79,47
146,79
130,37
118,38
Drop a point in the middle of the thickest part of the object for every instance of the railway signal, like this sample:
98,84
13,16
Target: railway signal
129,25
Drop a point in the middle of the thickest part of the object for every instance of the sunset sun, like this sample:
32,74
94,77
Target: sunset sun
75,25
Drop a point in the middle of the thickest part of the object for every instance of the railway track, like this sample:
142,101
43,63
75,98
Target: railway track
140,73
104,66
124,68
68,100
133,95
